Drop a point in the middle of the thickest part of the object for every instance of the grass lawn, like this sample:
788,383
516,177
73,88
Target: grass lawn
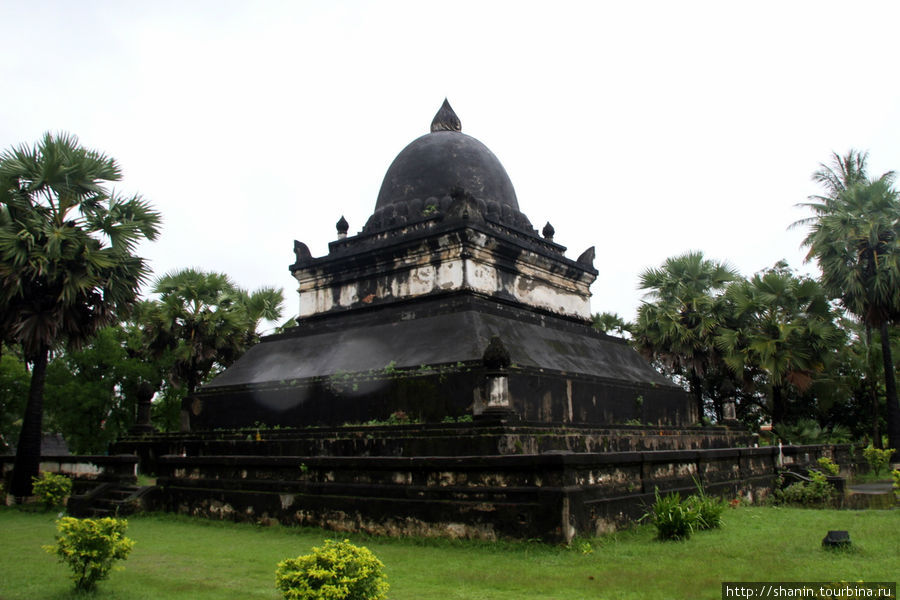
185,558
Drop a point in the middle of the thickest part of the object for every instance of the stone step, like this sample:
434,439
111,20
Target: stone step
878,495
111,501
102,512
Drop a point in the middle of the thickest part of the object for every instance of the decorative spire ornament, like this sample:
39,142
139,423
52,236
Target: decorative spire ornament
446,119
548,231
342,228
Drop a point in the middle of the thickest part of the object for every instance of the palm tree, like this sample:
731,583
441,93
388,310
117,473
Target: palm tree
263,304
780,326
841,174
207,322
855,239
676,325
607,322
67,261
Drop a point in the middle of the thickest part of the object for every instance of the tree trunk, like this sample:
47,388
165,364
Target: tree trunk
890,388
28,450
873,392
697,390
778,408
876,414
185,421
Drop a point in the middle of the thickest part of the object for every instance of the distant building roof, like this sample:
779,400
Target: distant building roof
52,444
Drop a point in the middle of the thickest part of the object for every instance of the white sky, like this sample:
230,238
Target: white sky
645,129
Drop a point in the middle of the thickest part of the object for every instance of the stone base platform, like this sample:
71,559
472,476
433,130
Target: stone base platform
553,496
517,481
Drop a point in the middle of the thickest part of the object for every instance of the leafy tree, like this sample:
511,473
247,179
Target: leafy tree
207,322
676,326
611,323
165,412
781,326
102,380
67,261
854,236
853,396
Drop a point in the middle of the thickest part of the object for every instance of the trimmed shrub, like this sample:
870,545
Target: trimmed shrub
878,459
816,492
829,466
335,571
52,489
673,518
89,547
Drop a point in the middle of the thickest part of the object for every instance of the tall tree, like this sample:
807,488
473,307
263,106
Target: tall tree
207,322
854,236
67,261
677,322
836,177
780,326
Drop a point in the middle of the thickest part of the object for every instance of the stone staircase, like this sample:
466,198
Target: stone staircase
109,499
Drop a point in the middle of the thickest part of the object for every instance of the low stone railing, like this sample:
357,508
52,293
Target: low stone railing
83,467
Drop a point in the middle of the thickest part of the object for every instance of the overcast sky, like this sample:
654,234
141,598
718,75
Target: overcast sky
646,129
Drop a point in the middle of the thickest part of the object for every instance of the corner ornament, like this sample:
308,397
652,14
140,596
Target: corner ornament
587,257
302,255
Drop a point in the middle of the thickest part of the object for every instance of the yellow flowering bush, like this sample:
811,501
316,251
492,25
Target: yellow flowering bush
89,547
52,489
878,459
335,571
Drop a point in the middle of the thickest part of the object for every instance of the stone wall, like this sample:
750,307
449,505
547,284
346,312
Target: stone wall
553,496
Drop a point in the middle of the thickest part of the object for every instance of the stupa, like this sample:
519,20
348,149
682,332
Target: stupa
447,304
443,379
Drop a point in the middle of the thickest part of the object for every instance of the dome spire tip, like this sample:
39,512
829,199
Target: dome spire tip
446,119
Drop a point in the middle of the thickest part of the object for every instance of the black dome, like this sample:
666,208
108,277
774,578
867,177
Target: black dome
444,160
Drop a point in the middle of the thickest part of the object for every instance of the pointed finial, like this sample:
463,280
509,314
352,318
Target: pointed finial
342,227
446,119
548,232
496,356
